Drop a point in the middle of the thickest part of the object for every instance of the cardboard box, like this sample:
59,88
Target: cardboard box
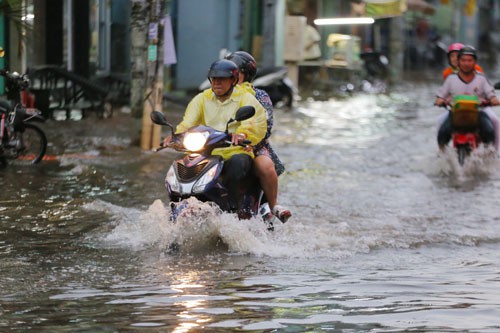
465,111
294,38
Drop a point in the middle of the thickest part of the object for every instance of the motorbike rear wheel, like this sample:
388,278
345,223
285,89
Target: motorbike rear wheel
33,145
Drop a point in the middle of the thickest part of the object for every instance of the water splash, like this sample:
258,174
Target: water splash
482,161
480,164
203,228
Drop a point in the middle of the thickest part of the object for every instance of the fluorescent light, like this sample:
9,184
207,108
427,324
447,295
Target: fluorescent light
344,20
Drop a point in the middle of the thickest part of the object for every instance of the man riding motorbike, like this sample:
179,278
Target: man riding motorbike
468,82
214,107
267,165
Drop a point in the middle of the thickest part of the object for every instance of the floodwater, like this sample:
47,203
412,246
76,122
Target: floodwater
387,235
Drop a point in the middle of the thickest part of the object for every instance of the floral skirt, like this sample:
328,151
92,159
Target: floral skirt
264,148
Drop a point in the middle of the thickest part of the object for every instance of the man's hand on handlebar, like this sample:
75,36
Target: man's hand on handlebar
166,141
238,139
494,101
440,102
171,141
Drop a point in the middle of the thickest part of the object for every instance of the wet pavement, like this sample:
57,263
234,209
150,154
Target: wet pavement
387,234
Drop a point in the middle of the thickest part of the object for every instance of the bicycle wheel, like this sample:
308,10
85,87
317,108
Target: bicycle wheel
34,145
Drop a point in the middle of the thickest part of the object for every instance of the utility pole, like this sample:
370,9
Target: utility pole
153,97
269,32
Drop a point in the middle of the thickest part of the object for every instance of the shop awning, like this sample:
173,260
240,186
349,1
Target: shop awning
390,8
384,8
420,6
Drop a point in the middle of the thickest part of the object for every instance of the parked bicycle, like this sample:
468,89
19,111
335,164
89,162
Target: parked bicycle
20,139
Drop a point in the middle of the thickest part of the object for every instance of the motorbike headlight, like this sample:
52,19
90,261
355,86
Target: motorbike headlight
171,180
195,141
384,60
205,179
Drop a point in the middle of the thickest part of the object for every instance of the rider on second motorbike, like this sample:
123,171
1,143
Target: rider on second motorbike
214,107
467,82
267,165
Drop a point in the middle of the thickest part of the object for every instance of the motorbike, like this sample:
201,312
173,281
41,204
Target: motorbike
199,174
465,124
274,81
20,139
375,64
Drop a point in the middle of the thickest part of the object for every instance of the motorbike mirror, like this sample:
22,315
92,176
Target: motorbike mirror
497,85
244,113
159,118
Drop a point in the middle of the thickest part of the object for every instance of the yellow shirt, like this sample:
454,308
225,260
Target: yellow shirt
206,109
247,86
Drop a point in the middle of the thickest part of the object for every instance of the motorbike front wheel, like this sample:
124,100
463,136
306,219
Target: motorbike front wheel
462,153
31,145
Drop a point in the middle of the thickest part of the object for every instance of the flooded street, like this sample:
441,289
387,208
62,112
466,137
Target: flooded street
387,235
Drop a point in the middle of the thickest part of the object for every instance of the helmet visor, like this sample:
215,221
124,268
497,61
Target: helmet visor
220,73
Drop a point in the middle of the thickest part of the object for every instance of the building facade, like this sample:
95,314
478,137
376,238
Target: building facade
92,38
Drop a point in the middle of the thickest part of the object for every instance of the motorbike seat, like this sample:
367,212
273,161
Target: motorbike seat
268,70
4,106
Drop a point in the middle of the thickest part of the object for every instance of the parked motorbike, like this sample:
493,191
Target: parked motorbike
20,139
198,173
274,81
375,64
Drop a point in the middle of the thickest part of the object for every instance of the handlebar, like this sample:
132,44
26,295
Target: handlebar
242,144
178,146
174,143
484,103
445,106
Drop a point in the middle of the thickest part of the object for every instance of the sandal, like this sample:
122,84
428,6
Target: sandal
282,213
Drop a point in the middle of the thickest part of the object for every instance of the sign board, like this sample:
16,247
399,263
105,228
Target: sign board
153,31
169,56
152,52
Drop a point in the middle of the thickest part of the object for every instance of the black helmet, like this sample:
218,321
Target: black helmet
467,50
223,68
246,64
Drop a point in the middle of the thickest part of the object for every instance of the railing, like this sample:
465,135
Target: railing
55,88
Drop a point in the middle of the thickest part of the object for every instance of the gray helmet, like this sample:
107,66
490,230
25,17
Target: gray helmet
246,64
467,50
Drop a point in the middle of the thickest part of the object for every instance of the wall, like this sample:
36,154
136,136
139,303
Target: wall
120,36
203,28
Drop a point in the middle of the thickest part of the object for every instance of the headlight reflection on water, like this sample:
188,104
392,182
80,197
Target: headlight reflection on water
191,303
